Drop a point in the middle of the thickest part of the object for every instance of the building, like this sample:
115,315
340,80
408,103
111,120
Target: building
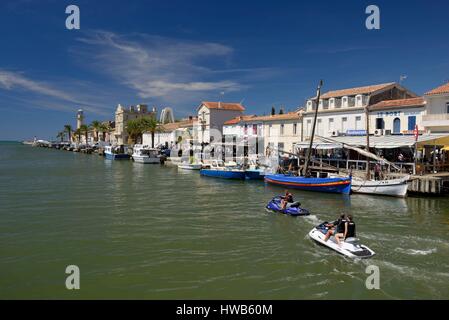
280,131
437,105
397,116
342,112
123,115
212,116
170,134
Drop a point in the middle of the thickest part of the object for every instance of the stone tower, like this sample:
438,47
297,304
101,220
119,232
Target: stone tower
79,118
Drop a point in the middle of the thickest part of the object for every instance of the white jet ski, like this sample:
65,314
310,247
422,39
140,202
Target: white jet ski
349,247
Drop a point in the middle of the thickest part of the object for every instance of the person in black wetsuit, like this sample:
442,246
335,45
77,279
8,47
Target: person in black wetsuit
287,198
349,230
335,227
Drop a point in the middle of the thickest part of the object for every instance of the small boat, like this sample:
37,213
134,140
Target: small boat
190,166
350,247
330,185
116,152
255,171
292,209
219,170
389,187
145,154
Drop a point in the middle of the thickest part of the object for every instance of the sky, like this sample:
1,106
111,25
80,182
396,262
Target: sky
179,53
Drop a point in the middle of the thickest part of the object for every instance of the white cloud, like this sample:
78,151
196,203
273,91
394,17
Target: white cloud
10,80
158,67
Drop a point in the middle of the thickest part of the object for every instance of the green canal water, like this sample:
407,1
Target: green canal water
151,232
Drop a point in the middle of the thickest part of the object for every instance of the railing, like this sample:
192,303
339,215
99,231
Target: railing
342,164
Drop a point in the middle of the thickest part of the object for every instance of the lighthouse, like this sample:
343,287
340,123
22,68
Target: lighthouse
79,118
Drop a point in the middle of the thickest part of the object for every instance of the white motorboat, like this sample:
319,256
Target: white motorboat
390,187
190,166
145,154
350,247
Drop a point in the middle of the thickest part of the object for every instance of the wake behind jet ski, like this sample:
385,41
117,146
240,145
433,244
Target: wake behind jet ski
349,247
291,208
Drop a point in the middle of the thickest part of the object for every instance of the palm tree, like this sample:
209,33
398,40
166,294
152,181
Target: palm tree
150,125
68,129
78,133
84,129
104,127
96,126
61,135
134,130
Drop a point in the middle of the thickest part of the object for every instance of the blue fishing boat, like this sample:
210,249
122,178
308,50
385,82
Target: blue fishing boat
116,153
219,170
331,185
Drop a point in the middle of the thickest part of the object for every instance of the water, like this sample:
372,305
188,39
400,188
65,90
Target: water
151,232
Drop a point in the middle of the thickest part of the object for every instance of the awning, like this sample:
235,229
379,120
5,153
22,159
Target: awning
379,142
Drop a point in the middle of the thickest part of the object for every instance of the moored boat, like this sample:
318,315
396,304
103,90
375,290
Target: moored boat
219,170
190,166
116,152
145,154
389,187
330,185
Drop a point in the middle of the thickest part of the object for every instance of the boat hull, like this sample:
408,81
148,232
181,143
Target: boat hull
392,188
329,185
143,159
120,156
190,166
225,174
254,175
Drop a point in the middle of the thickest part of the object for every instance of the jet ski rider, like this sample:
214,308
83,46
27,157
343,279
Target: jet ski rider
336,227
349,230
287,198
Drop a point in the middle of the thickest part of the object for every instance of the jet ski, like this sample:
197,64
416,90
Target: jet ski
292,209
349,247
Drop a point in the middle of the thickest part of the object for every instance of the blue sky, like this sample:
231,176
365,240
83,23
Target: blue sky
178,53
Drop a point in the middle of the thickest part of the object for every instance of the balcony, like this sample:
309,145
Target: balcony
435,120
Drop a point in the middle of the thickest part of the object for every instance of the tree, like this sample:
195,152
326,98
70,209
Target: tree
104,127
134,130
61,135
273,111
95,125
84,129
68,129
77,134
150,125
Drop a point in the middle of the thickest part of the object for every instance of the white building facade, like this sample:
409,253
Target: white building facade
437,105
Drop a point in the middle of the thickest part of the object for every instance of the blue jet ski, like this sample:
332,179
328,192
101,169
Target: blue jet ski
292,209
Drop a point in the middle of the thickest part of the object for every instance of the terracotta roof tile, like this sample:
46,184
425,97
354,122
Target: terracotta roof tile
399,103
223,105
355,91
439,90
239,119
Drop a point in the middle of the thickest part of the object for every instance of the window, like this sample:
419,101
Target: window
380,124
411,122
281,146
282,129
255,129
295,128
331,124
447,107
245,129
344,124
309,127
319,127
397,125
358,122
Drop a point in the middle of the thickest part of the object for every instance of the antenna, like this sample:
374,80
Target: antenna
241,101
402,78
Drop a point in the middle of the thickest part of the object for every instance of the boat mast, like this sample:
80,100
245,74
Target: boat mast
309,151
368,175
